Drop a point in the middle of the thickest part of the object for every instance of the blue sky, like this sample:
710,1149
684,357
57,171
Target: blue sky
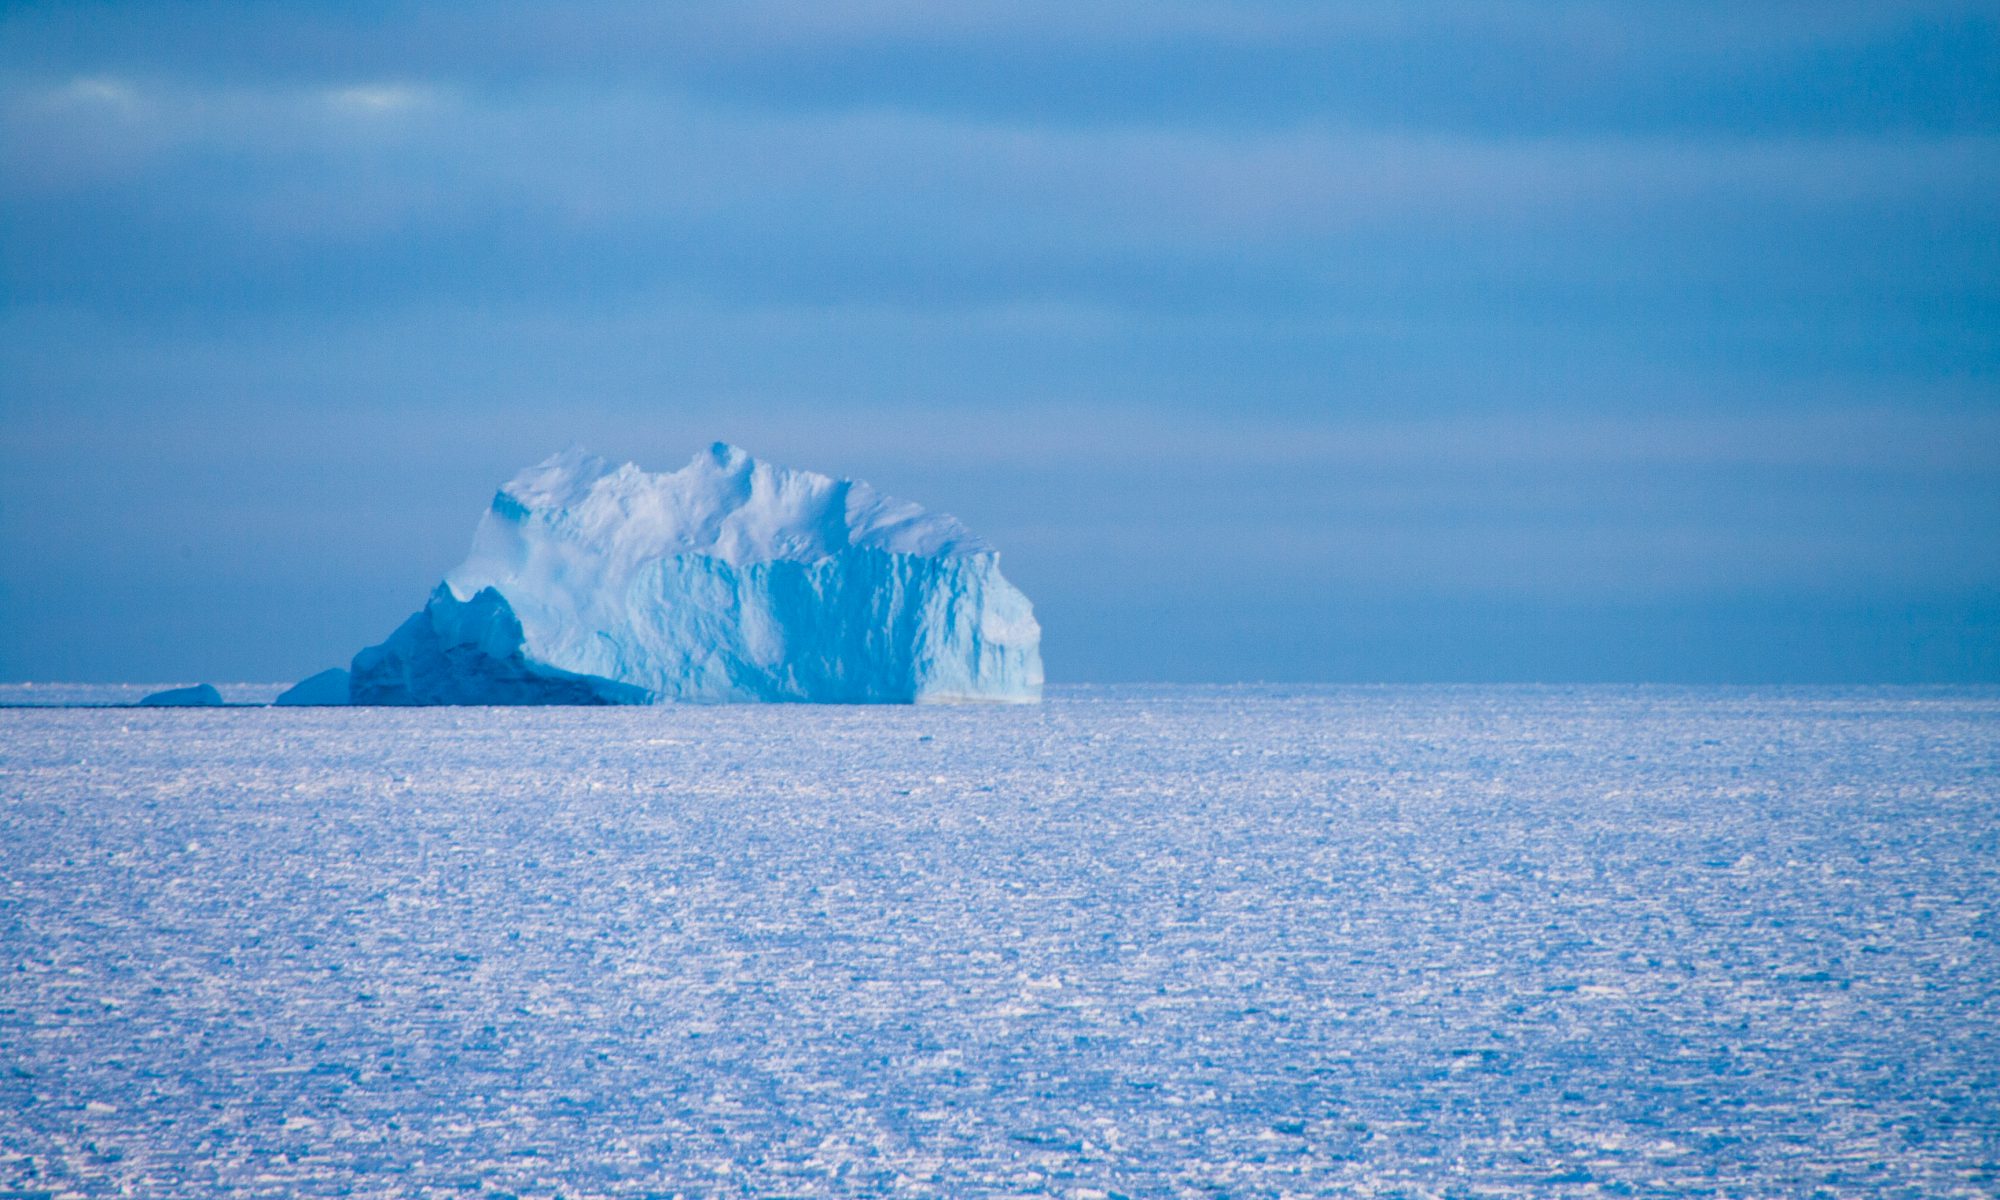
1436,341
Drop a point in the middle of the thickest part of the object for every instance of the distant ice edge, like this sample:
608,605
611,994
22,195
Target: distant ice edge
730,580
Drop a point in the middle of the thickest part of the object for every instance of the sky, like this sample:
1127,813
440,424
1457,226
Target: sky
1450,340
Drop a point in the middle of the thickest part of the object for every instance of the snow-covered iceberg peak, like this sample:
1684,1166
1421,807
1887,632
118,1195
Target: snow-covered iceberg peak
729,579
724,504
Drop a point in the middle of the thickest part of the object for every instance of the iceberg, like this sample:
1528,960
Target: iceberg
728,580
327,689
201,695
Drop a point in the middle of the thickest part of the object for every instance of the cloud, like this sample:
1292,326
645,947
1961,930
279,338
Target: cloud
1466,65
624,155
1568,300
379,98
96,90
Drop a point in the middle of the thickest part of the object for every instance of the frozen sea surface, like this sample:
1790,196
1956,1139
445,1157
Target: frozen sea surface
1187,942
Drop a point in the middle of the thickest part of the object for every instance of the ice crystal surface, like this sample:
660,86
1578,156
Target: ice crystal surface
1142,942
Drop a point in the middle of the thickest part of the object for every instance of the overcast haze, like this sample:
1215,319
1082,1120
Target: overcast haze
1434,341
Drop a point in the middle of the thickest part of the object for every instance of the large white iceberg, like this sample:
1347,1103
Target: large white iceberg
727,580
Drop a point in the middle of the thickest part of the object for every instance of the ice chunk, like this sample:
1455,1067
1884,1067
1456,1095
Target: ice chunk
728,580
201,695
324,690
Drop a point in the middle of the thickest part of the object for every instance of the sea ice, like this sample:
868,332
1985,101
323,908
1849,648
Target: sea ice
1524,943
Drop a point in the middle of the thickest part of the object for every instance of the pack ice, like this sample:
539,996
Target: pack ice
727,580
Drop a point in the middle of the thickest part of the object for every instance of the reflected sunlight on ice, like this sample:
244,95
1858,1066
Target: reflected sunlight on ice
1140,942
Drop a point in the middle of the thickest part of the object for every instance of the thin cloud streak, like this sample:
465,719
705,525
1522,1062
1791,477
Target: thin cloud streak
629,152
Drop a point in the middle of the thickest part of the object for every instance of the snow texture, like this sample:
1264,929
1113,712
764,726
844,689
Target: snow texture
728,580
329,687
201,695
1144,942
